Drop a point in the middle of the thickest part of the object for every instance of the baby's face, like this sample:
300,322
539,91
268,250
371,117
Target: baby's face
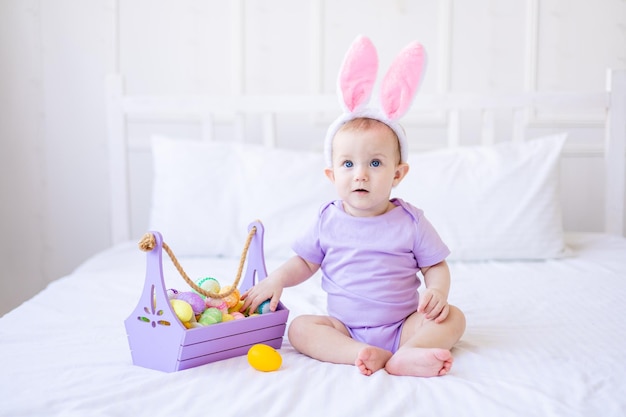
365,169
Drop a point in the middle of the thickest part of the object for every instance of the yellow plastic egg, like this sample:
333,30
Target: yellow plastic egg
237,307
182,309
264,358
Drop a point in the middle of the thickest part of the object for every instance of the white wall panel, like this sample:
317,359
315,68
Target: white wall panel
74,141
181,47
22,213
277,47
578,40
488,45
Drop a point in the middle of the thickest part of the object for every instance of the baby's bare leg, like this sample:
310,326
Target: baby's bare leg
327,339
425,345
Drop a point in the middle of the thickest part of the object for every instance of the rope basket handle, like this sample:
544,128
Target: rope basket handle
148,243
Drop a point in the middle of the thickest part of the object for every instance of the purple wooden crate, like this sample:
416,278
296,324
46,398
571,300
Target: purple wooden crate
158,340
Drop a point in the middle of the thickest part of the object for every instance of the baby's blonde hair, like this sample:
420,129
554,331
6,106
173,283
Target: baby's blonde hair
365,123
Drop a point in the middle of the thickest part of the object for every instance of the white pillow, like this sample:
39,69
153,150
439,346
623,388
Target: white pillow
193,191
285,190
491,202
206,193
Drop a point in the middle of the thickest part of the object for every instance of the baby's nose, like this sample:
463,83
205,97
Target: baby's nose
360,174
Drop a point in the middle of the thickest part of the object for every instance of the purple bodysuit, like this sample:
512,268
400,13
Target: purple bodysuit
369,267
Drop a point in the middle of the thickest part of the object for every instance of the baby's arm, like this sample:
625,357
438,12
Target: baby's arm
292,272
434,299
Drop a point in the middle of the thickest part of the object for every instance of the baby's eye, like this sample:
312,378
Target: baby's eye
348,164
375,163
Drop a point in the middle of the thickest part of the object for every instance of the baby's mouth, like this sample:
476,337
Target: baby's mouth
360,190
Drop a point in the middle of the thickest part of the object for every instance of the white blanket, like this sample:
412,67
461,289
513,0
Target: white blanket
543,338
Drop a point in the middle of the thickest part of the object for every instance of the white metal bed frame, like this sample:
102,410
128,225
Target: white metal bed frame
122,108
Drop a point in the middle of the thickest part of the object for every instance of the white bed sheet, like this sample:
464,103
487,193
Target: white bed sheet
544,338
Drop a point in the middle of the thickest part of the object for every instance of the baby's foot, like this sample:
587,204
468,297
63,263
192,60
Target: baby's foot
371,359
413,361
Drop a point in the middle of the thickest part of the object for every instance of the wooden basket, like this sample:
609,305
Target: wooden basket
158,340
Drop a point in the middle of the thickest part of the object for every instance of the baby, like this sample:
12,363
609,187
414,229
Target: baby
370,250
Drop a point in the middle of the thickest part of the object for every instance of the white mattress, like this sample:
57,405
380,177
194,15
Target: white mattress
543,338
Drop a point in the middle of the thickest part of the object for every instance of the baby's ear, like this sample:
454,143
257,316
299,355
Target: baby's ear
401,170
330,174
357,74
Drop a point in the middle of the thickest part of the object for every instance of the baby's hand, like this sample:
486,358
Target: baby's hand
434,305
267,289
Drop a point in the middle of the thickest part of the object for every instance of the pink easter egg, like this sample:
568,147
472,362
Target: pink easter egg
237,315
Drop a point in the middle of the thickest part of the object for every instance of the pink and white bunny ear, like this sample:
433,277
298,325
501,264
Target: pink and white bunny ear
358,74
402,81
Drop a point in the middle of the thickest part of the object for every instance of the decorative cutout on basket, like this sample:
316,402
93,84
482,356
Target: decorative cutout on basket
158,340
152,311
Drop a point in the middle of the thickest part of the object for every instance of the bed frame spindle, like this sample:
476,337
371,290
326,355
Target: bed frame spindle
488,131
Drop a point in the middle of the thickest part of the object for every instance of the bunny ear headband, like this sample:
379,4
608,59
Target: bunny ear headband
356,82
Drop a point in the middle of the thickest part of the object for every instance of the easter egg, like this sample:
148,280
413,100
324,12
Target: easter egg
233,299
215,302
182,309
195,301
209,284
264,307
264,358
237,315
237,307
210,316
